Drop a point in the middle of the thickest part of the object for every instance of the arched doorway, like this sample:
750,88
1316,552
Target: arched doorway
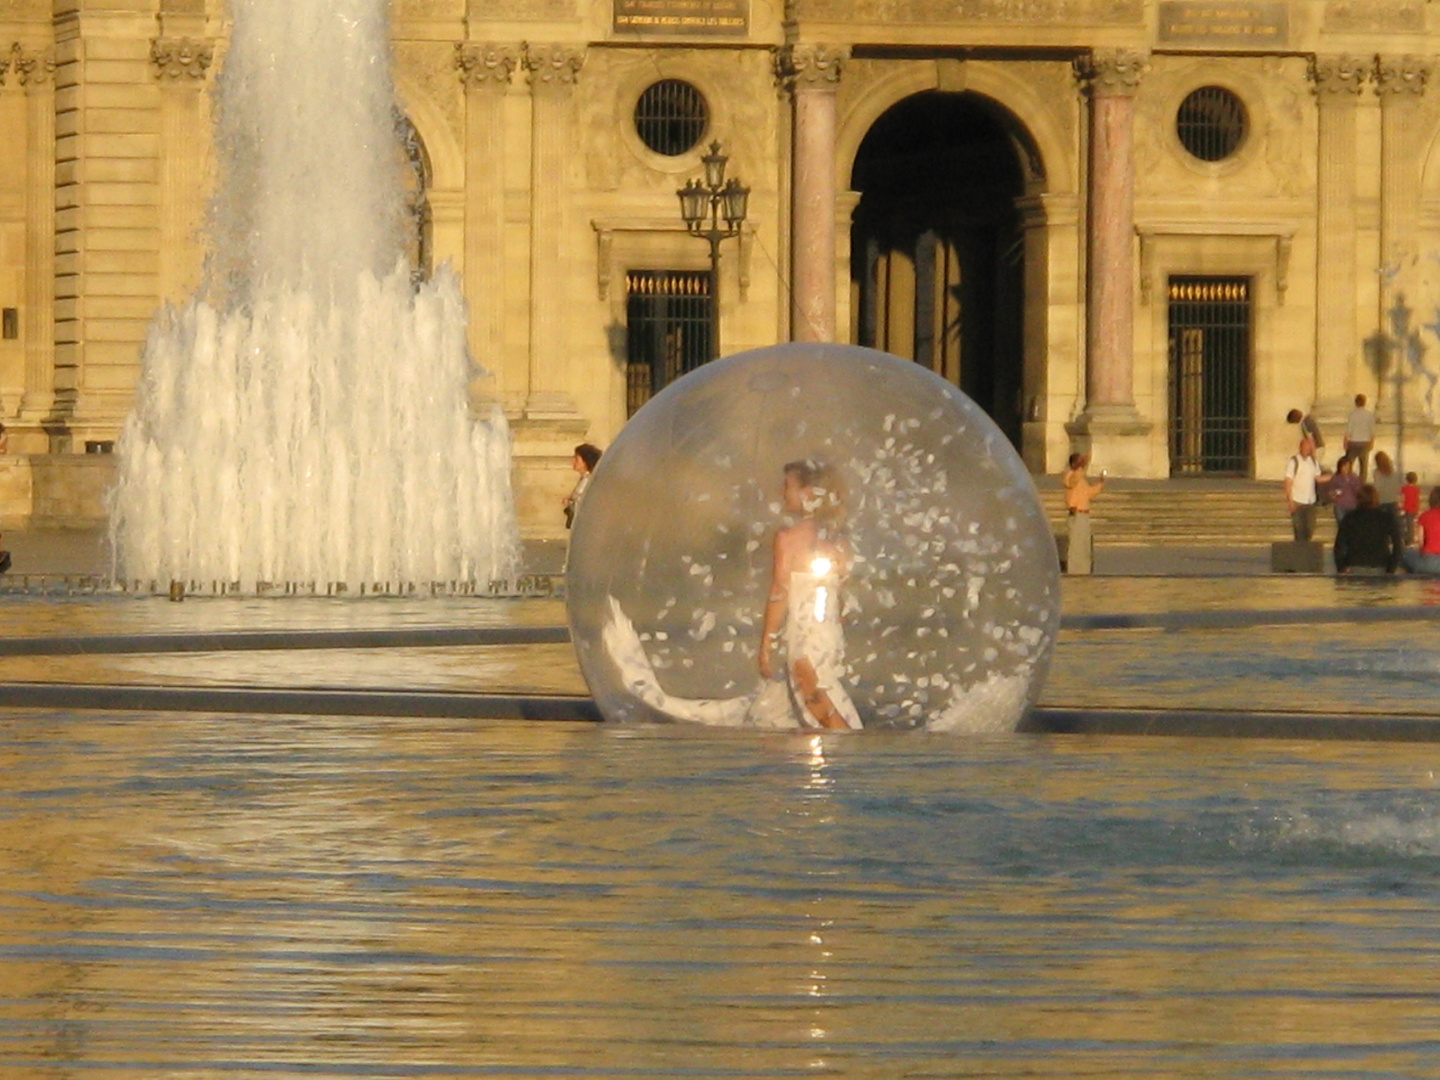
937,247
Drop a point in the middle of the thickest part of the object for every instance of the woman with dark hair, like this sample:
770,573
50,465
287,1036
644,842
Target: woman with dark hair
587,456
1368,537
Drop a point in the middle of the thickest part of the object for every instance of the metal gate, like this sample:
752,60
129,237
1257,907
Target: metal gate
1209,375
667,330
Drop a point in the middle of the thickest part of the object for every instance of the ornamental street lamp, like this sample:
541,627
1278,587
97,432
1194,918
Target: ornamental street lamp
704,206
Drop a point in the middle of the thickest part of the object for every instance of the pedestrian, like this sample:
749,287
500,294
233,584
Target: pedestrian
1410,506
1302,474
1369,537
1308,426
587,456
1360,436
1426,560
1387,483
1344,488
1080,547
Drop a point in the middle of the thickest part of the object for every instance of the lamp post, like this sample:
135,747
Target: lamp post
714,210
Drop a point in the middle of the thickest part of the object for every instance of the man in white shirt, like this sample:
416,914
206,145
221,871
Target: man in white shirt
1302,473
1360,436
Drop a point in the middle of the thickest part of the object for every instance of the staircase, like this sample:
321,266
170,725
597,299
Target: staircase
1191,513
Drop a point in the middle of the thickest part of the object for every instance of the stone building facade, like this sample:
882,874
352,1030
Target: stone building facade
1146,228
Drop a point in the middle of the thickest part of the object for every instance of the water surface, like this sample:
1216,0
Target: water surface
202,896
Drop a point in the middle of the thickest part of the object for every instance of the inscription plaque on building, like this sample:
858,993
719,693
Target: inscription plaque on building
682,16
1008,12
1222,23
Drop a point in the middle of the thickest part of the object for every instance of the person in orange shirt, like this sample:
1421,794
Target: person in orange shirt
1078,493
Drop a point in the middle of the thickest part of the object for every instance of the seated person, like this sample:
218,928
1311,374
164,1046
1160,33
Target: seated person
1427,559
1368,537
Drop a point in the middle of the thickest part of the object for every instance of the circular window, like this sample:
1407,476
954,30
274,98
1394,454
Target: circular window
1211,123
671,117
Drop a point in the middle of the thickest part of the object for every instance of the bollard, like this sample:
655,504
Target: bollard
177,590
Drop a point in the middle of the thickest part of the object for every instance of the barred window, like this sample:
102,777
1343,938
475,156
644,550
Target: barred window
671,117
1211,123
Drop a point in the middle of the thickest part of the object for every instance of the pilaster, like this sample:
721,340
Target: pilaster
34,72
486,70
1109,427
107,222
180,66
1337,81
553,71
1400,84
812,73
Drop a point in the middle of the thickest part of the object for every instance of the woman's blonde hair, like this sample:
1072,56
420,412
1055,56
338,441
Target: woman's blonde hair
826,501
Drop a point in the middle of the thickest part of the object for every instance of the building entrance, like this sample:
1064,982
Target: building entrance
1210,359
937,251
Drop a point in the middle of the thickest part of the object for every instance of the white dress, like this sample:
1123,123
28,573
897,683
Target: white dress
812,631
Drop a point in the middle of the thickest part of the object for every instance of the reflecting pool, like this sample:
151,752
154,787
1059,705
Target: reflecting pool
192,896
198,896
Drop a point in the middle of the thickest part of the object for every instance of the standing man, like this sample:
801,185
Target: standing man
1302,472
1360,436
1079,558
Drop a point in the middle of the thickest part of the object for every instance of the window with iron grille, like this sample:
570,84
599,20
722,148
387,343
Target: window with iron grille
671,117
1211,123
667,330
1210,364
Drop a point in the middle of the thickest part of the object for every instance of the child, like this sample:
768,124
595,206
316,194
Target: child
1409,506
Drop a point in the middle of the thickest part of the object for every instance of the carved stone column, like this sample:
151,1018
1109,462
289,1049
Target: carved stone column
180,65
549,425
36,73
553,71
1337,81
1110,426
812,74
486,72
1400,83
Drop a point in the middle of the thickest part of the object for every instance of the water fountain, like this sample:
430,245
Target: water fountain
305,418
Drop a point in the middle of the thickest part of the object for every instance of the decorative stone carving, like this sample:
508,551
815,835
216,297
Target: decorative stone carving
1111,72
175,58
552,68
1401,76
31,69
1334,76
485,67
815,67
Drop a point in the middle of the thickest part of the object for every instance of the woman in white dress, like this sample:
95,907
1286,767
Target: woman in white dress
811,559
802,605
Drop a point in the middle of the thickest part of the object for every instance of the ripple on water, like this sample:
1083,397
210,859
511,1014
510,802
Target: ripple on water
200,895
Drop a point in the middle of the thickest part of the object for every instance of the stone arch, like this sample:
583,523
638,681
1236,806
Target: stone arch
976,297
446,157
1039,135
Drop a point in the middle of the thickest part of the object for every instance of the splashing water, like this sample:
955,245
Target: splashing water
306,417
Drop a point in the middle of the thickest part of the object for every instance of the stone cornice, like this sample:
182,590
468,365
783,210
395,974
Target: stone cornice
1335,77
1402,76
177,58
486,67
552,68
811,67
1111,72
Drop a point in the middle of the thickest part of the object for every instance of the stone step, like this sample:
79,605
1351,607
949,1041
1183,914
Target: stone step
1182,513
